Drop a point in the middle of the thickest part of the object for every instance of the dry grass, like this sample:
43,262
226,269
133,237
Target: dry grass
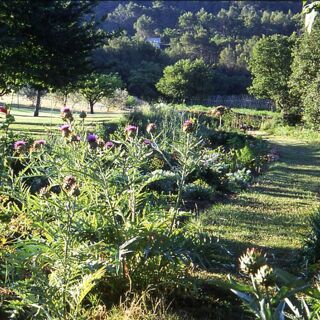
138,307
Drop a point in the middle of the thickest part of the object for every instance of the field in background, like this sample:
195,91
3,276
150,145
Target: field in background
49,120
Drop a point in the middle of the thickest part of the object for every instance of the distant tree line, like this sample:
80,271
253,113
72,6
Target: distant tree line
208,48
219,33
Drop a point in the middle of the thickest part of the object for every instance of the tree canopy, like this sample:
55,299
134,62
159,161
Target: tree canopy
46,44
270,66
185,79
97,86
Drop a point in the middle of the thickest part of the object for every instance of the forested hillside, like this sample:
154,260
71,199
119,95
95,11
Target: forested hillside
221,33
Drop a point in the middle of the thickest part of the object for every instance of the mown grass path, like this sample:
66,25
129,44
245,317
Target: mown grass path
273,213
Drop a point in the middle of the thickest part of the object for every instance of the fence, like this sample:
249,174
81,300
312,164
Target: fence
48,102
239,101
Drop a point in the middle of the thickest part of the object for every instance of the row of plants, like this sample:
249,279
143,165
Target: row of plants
89,216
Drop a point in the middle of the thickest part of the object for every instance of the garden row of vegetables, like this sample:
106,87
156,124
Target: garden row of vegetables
88,216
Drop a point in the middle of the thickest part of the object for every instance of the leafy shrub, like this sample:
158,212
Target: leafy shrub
312,242
239,180
166,181
311,103
199,190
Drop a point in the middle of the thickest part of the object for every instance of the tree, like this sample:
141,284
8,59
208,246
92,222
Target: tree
144,27
142,80
270,67
304,80
46,44
97,86
311,104
186,79
306,62
130,58
228,58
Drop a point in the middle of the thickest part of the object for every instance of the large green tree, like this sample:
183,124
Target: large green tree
311,105
270,66
186,79
306,62
143,79
304,80
46,44
97,86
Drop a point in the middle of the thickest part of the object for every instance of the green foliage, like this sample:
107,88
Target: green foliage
311,10
312,243
82,223
270,65
272,293
138,63
311,103
144,27
239,180
305,70
142,80
46,44
199,190
97,86
181,80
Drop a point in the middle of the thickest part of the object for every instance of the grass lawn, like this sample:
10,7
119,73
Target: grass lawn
49,119
246,111
253,112
273,214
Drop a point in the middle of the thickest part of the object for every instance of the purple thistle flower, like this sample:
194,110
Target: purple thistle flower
65,127
65,109
188,126
3,109
40,142
18,145
147,142
91,138
109,145
131,128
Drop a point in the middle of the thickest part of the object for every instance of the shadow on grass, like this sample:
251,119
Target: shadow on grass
273,214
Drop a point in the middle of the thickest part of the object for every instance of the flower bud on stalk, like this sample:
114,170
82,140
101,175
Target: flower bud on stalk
66,114
4,110
188,126
82,115
265,276
69,182
147,143
251,261
109,145
75,138
65,130
151,127
92,140
20,146
37,145
131,130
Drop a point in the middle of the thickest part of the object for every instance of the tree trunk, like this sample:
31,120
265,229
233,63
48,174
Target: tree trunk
91,104
65,99
38,104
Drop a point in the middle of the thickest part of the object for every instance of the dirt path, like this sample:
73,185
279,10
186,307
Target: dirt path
273,214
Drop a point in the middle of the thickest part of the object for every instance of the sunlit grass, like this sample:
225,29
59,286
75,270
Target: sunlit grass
50,120
274,213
